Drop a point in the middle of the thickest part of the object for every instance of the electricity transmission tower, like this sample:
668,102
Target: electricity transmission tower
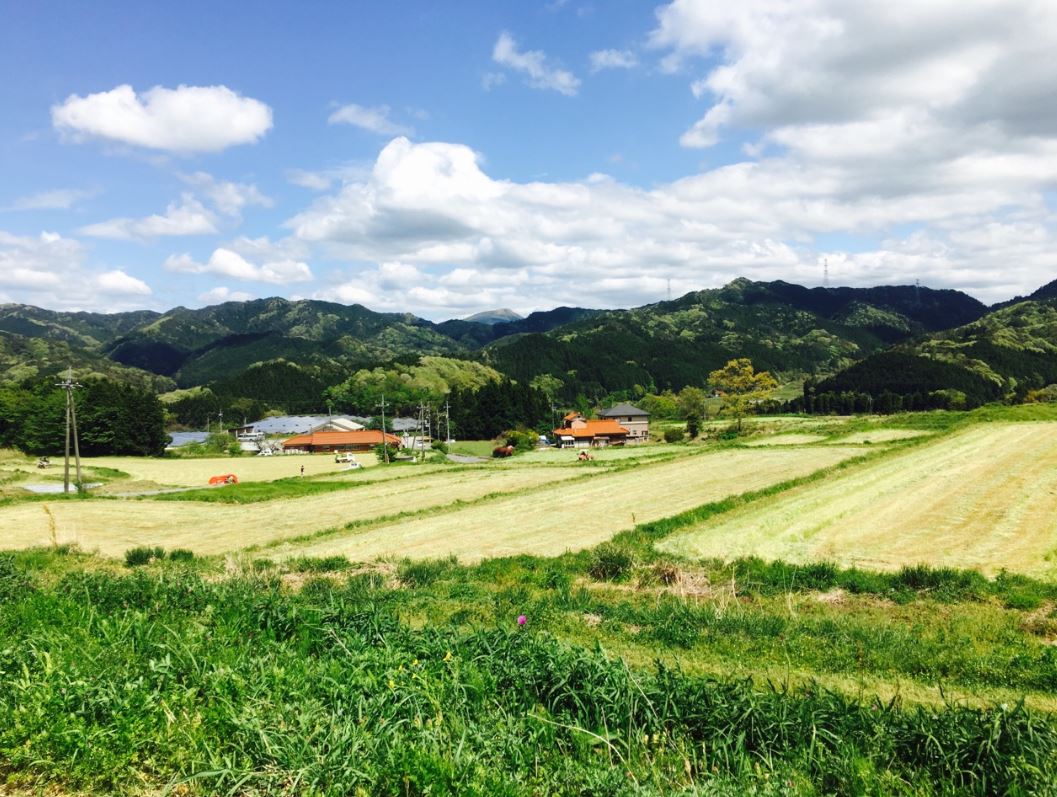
69,386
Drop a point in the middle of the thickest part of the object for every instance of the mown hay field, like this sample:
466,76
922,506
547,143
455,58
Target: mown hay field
576,515
191,472
985,498
114,526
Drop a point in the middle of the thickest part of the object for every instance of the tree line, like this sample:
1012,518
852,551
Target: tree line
112,418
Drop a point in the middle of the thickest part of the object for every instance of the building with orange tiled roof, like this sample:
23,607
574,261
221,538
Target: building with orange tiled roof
330,442
578,432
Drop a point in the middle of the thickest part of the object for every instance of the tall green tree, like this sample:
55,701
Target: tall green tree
741,387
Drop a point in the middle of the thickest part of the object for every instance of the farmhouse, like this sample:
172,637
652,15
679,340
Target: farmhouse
636,421
578,432
358,440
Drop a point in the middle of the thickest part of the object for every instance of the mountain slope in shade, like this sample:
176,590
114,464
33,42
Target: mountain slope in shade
29,359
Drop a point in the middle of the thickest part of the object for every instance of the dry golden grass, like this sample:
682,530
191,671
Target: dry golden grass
114,526
196,472
985,498
579,514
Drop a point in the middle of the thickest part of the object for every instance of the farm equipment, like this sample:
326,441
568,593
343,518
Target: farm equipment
43,463
224,478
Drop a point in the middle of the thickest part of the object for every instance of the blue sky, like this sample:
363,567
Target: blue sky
447,158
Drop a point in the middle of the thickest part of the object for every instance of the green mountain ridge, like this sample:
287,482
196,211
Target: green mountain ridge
784,328
1002,355
791,330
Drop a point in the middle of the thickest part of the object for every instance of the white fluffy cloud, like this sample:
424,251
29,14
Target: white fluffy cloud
184,120
539,74
51,271
613,59
373,120
187,217
119,283
475,241
225,262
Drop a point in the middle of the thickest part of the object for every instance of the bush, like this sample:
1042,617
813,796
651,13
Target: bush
673,435
439,445
134,557
609,563
322,564
180,555
520,439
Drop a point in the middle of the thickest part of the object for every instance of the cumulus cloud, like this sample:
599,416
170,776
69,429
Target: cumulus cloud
49,270
119,283
539,74
373,120
613,59
186,119
187,217
830,63
475,241
225,262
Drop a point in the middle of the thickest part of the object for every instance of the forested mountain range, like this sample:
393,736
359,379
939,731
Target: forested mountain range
846,335
784,328
1002,355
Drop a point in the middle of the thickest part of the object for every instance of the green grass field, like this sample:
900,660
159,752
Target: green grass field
843,612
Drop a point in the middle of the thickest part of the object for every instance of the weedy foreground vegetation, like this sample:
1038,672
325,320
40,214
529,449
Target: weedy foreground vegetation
637,671
184,677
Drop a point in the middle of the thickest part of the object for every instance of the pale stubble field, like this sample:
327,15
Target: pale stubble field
984,498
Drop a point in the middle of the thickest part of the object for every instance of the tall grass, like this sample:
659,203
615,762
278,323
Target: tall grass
235,685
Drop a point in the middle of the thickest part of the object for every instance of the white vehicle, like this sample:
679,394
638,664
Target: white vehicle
347,459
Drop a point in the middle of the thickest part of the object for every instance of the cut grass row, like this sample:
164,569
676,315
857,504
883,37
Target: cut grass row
985,497
113,526
577,515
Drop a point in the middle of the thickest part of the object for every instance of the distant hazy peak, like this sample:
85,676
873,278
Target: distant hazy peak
499,316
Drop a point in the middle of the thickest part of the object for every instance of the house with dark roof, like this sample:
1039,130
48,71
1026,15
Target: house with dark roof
636,421
579,432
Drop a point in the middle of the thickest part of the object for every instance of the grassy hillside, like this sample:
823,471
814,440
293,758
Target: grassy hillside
783,328
25,359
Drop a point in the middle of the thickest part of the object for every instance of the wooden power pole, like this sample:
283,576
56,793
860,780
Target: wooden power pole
69,386
385,445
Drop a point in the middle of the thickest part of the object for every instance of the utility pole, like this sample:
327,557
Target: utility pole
71,421
422,429
447,419
385,445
